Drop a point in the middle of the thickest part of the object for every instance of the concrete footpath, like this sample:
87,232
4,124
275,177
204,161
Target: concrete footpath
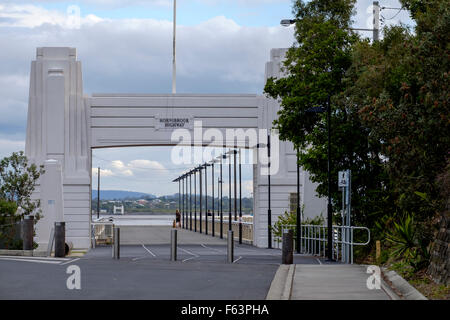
324,282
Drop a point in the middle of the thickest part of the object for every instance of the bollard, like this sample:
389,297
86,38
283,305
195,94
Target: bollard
27,232
288,247
173,245
230,251
116,244
60,239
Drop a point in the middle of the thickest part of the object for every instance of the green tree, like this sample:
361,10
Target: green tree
406,78
316,66
17,182
8,223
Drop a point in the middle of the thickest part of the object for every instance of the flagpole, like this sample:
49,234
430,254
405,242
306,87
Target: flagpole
174,68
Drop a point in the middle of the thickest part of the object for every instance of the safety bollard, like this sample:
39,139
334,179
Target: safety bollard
288,247
173,245
116,244
27,232
60,239
230,251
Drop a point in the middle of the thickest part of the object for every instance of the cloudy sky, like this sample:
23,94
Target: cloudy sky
126,46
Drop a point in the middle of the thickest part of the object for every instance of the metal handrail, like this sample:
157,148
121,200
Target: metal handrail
313,240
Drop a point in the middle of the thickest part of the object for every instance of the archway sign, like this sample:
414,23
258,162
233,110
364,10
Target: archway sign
65,125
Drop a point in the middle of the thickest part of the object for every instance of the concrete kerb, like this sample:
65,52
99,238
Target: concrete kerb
24,253
407,291
281,286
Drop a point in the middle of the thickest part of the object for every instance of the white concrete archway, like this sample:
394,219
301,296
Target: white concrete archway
64,125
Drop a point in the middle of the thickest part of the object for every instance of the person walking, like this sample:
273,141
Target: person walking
177,218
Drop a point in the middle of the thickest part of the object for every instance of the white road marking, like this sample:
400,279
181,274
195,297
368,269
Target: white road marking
149,251
217,250
139,258
188,259
188,252
70,261
319,261
237,259
31,260
36,258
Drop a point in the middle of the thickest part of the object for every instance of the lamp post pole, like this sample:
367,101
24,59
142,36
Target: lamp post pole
200,186
179,194
330,208
229,193
206,198
190,194
195,200
212,185
182,195
98,194
235,184
269,211
240,198
221,198
299,217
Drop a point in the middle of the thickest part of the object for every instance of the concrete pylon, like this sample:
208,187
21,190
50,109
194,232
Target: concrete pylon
57,130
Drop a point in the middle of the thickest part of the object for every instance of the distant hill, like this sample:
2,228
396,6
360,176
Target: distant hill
120,195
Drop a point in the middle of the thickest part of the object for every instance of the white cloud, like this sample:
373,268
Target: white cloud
121,169
103,172
7,147
31,16
146,164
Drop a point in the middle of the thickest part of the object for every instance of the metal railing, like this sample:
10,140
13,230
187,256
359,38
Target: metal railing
247,228
313,240
102,232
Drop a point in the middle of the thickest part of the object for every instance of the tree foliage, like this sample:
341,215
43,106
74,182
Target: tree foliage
390,108
317,65
17,182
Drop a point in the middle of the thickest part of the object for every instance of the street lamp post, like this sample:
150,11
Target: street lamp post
190,194
299,216
212,191
200,186
329,207
235,185
229,193
206,197
195,202
182,195
221,197
240,198
269,210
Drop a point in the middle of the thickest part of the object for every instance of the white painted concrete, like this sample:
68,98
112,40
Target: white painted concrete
65,125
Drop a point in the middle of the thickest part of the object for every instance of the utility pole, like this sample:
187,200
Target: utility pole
376,21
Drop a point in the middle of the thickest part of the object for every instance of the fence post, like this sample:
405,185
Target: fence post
173,245
288,247
116,244
60,239
27,232
230,251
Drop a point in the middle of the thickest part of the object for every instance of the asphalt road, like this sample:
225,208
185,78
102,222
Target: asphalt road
146,272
